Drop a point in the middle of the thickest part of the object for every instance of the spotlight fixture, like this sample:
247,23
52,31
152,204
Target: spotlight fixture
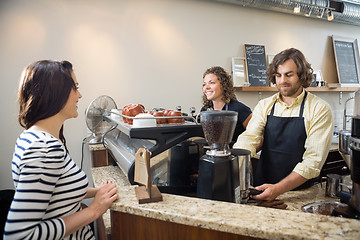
297,8
330,15
320,13
312,7
308,12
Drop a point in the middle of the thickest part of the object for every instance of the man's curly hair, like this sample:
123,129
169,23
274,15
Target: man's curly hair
304,69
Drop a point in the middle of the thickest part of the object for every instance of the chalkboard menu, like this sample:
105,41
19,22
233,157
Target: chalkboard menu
256,65
347,60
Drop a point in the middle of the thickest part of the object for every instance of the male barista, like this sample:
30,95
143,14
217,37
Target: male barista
296,126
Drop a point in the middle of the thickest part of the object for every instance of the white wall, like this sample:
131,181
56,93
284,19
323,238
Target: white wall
140,51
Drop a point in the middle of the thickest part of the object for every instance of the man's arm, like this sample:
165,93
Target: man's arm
320,127
252,137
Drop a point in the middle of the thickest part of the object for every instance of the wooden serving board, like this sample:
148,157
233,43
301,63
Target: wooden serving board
143,195
147,193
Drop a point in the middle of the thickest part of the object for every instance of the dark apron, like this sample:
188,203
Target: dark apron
283,148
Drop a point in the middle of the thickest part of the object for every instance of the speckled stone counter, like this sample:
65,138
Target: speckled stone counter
242,219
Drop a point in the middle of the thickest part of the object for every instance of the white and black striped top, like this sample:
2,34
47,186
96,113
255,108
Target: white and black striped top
49,185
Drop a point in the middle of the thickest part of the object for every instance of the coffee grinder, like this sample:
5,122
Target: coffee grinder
218,169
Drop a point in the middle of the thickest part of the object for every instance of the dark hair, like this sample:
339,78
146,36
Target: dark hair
44,89
226,85
304,70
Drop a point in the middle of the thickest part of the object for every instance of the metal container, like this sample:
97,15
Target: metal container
242,192
333,186
344,143
344,146
323,208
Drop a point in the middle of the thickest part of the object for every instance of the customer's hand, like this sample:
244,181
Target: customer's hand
106,194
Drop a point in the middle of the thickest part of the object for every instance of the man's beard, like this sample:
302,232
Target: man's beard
290,91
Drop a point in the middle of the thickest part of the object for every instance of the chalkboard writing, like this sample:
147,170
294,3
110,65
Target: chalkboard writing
346,55
256,65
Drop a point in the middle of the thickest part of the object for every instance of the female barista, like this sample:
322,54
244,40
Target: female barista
219,95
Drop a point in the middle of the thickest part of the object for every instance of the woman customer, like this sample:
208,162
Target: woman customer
49,185
219,95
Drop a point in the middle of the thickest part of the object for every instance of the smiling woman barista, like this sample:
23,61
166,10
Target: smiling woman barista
219,95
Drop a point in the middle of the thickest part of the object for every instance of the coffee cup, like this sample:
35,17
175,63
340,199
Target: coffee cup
175,114
133,110
143,120
159,114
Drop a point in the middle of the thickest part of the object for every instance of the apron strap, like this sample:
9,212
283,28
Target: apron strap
302,105
272,109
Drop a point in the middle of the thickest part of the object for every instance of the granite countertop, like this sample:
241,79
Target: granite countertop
242,219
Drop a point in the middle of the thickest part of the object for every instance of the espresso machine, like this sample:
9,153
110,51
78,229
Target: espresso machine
353,209
354,202
223,176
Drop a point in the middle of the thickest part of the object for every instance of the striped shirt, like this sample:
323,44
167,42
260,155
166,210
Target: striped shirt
49,185
319,128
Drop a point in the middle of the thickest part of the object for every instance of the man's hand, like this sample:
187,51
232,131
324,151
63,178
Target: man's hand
270,192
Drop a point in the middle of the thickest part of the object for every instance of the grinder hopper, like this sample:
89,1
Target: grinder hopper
218,127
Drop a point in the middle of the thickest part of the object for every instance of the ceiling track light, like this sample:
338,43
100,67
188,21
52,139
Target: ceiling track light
320,13
297,8
330,15
314,8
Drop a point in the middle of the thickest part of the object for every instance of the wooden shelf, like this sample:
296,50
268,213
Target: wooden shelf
310,89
